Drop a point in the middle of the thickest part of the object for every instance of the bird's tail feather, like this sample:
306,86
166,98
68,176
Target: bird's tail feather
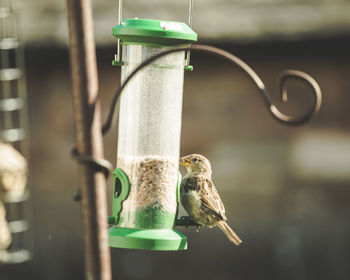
231,235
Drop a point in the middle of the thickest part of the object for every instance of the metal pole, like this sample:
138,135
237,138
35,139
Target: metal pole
88,138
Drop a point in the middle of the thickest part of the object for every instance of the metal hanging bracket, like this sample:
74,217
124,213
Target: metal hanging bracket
118,56
273,110
189,67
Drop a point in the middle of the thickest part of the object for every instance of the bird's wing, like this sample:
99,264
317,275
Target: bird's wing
210,197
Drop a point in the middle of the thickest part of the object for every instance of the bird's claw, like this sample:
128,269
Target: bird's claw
188,221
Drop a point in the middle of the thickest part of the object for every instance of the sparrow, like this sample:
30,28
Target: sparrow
200,198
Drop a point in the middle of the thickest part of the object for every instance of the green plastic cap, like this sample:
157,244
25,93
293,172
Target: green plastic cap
154,32
147,239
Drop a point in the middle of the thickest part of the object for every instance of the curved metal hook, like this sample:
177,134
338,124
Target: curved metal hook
293,120
302,76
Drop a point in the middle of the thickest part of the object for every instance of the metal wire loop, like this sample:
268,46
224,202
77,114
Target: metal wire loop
102,165
285,119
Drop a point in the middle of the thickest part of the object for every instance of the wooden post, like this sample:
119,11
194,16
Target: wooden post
88,138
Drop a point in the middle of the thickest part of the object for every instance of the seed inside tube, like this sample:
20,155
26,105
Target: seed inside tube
153,181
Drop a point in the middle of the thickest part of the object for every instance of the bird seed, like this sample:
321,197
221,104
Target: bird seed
153,181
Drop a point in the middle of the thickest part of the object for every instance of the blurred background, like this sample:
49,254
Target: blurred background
286,189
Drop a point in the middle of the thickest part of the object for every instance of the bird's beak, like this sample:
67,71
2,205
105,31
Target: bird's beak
185,161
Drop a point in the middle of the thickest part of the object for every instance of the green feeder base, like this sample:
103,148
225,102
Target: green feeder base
147,239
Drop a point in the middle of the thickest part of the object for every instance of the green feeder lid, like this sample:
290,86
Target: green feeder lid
154,32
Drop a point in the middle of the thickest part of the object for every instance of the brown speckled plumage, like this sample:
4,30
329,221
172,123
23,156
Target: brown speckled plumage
200,198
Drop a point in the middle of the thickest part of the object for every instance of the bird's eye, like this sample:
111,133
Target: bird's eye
195,159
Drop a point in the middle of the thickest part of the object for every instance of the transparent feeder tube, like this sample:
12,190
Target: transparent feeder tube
149,137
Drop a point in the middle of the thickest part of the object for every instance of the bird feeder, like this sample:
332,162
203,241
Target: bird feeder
153,55
15,213
146,181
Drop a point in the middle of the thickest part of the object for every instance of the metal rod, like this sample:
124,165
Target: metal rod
89,138
120,14
245,68
190,9
188,52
